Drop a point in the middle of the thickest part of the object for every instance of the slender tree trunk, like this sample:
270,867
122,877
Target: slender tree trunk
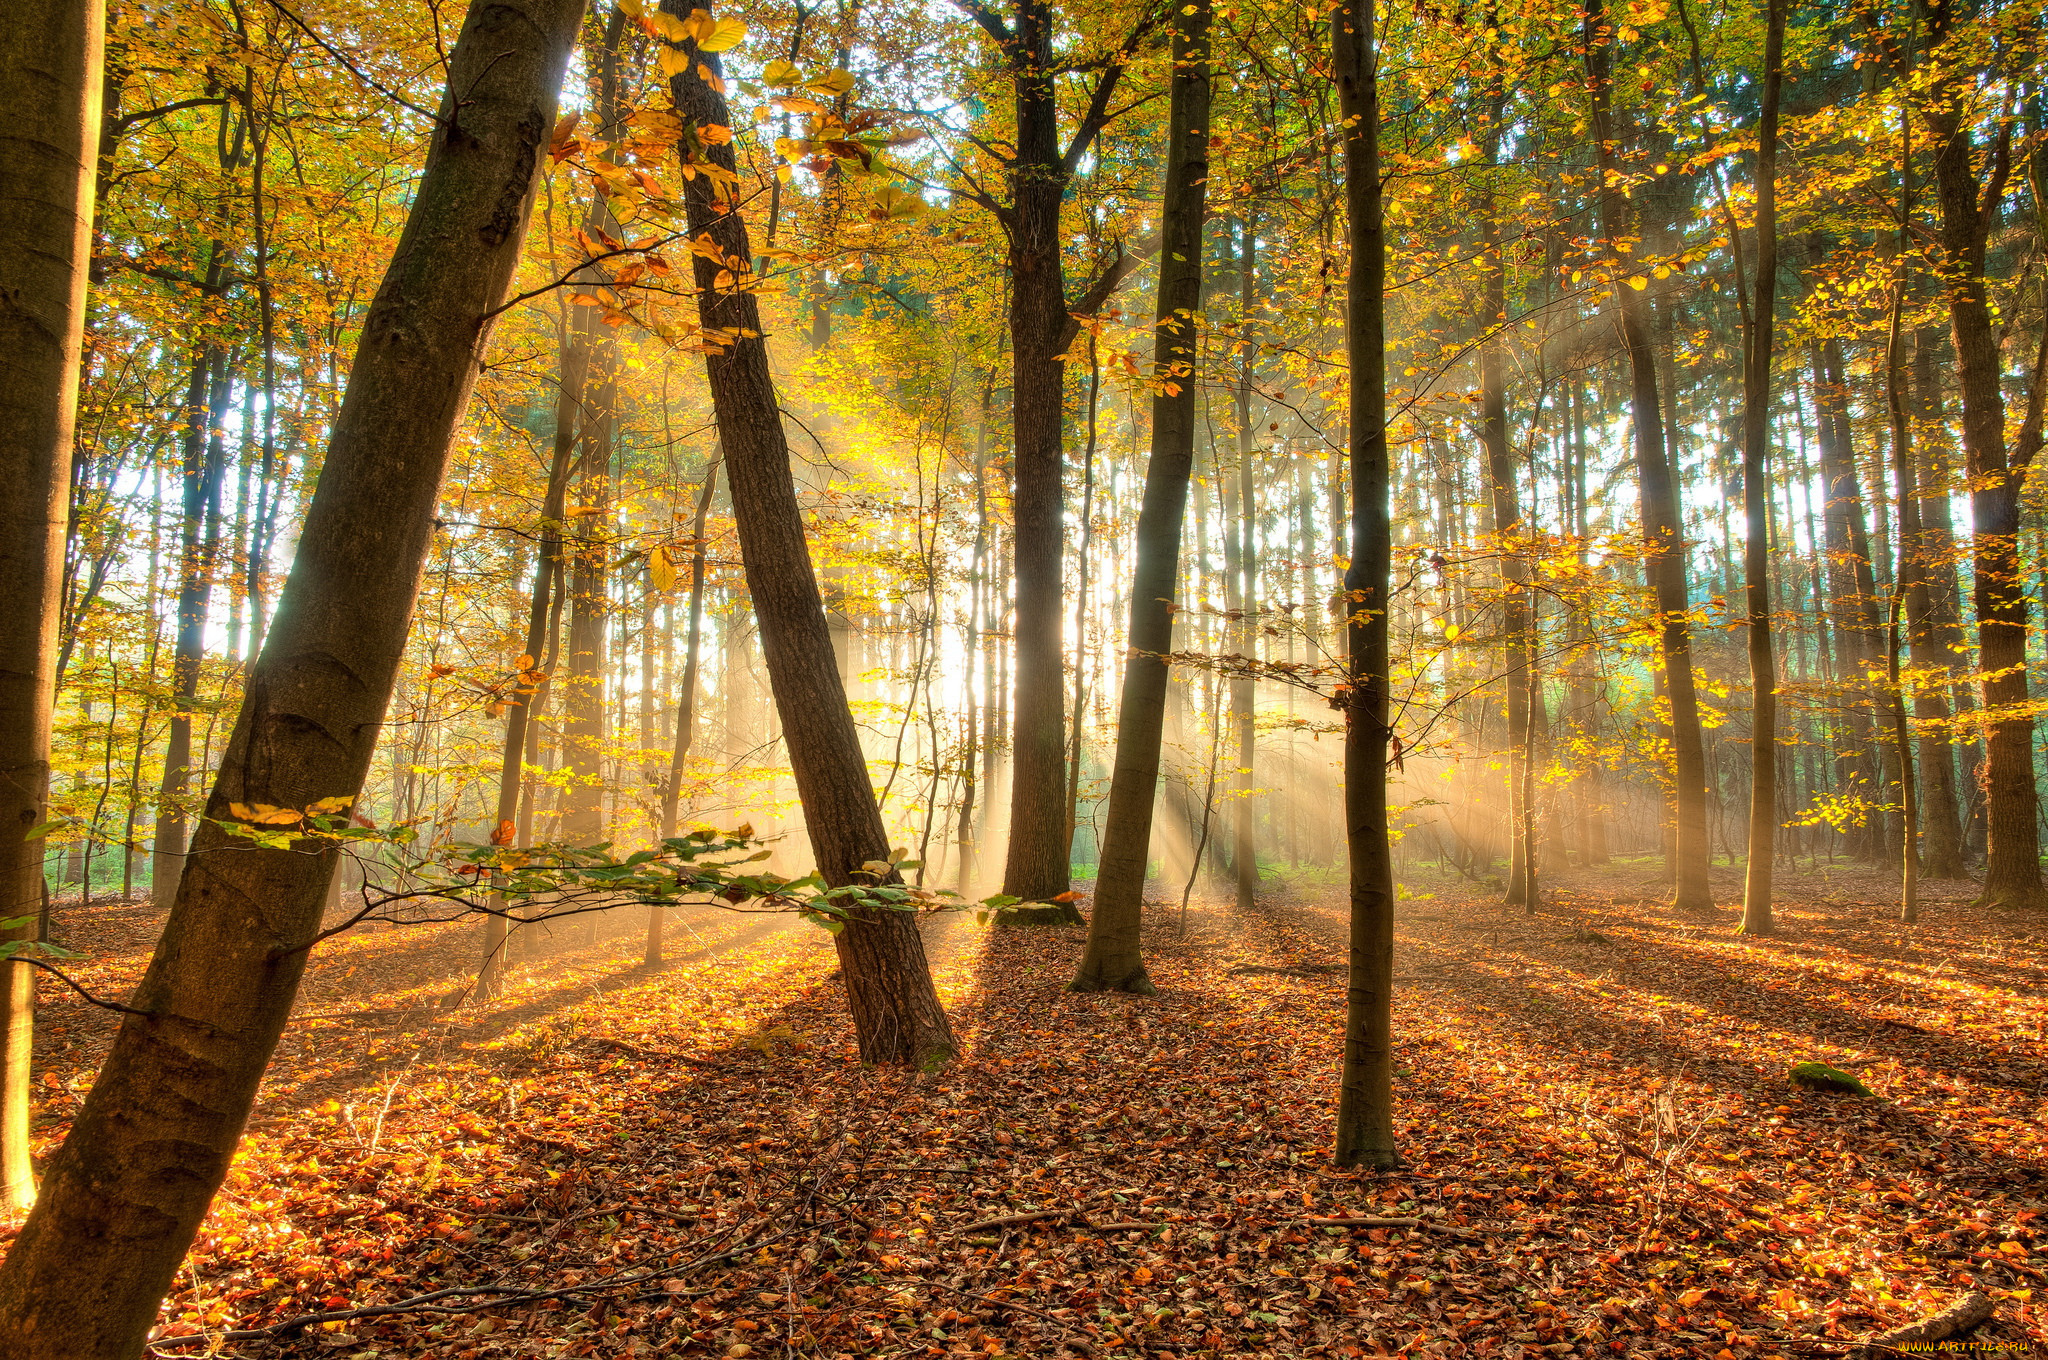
126,1192
1663,530
189,646
1113,959
1510,534
896,1010
686,704
1760,334
1927,574
50,83
548,570
1365,1099
1243,689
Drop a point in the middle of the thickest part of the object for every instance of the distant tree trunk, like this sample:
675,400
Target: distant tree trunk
548,570
1243,689
1967,210
199,471
1594,814
1517,618
1365,1098
1852,588
896,1010
1760,333
1663,529
125,1193
1927,573
50,83
1113,960
686,703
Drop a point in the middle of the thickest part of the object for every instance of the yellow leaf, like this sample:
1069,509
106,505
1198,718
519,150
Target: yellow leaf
672,61
831,82
780,72
339,803
661,572
1639,283
670,27
723,34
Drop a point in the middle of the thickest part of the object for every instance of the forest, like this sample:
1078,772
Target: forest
1023,678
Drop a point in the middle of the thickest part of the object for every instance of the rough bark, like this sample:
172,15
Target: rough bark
126,1192
1365,1096
1663,531
1517,617
896,1010
1113,959
1967,204
1760,333
49,116
1243,691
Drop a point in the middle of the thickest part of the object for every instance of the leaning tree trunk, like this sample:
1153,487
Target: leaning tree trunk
126,1192
896,1010
1756,498
1112,960
1365,1097
1663,530
49,119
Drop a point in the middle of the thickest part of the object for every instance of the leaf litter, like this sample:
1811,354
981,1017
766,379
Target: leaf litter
1605,1152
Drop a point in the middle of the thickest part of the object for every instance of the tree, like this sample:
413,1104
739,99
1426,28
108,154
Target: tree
1967,202
126,1192
896,1010
1663,528
49,119
1365,1100
1759,330
1113,960
1042,328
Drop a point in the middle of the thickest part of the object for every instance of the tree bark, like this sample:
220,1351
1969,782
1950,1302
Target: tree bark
1365,1099
896,1010
1663,530
549,566
1510,534
1967,206
126,1192
1760,334
50,85
1243,689
1113,959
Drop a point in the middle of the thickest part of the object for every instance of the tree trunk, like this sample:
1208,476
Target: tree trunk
1243,689
125,1193
547,574
1510,533
1663,530
686,704
49,117
203,399
1365,1099
1760,334
2012,875
896,1010
1113,960
1927,572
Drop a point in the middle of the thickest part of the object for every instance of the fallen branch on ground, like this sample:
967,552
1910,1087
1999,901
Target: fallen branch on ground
1960,1316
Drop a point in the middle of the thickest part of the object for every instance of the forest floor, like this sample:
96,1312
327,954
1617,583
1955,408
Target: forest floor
1603,1150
